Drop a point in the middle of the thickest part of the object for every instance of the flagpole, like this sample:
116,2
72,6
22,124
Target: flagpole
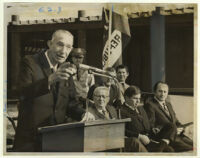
109,34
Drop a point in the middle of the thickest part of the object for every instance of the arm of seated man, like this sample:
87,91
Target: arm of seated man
144,139
87,117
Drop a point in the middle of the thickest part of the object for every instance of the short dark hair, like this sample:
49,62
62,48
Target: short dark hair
157,83
77,52
122,67
132,90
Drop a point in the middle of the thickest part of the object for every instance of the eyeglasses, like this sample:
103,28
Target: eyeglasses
103,96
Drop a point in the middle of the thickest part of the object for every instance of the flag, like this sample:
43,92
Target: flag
119,38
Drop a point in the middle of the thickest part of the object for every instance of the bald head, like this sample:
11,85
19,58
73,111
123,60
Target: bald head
60,46
60,33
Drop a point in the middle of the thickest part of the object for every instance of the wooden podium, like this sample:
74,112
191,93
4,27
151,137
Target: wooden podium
89,136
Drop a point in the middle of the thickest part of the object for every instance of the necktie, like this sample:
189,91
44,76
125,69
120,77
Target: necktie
166,109
105,113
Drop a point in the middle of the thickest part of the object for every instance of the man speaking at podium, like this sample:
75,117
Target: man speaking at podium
43,98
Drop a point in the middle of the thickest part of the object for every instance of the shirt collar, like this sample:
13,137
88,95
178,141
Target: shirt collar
160,102
130,106
50,64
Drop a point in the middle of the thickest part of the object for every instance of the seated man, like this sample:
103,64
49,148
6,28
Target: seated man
160,112
101,110
115,95
140,127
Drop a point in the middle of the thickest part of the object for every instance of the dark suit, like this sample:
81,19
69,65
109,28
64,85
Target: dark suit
158,117
139,122
140,125
39,106
123,87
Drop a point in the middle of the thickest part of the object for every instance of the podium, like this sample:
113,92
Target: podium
99,135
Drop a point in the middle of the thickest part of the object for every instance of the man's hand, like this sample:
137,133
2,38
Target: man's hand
62,73
88,117
179,130
144,139
155,130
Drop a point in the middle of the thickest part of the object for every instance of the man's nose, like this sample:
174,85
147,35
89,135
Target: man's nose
101,98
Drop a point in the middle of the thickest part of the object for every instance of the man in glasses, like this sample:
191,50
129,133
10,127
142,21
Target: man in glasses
114,91
140,127
101,110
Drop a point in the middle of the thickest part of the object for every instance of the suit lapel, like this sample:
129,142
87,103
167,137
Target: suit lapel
44,64
144,119
160,107
110,112
47,71
170,110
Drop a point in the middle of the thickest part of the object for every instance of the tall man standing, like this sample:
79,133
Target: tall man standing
160,112
43,100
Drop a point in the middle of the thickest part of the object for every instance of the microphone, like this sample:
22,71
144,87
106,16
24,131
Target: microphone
91,68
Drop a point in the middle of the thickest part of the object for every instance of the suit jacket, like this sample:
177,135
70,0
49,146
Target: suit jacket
139,122
39,106
122,90
157,116
98,116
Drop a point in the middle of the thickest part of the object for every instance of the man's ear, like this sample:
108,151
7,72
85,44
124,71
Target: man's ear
49,43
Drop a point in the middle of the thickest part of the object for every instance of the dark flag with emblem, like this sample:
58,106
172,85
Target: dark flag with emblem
118,40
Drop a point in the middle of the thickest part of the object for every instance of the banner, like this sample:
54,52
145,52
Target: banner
117,41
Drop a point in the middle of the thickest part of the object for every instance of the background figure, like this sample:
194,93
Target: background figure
160,112
41,99
79,83
140,127
122,74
